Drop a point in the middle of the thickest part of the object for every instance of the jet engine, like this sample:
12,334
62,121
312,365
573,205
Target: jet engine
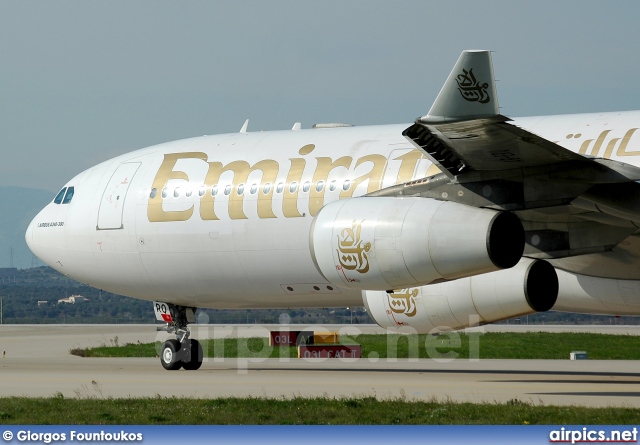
531,286
380,243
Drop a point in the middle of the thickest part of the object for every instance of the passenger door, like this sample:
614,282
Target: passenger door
112,203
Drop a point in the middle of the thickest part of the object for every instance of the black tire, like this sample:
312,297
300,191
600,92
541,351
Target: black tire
170,355
192,355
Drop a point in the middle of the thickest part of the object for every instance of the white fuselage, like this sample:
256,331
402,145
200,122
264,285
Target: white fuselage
223,221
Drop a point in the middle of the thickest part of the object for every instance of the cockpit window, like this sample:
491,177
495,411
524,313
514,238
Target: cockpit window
59,196
64,196
69,196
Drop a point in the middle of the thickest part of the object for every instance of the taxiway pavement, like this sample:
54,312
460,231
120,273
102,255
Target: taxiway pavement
37,363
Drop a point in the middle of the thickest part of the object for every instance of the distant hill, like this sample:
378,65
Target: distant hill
18,206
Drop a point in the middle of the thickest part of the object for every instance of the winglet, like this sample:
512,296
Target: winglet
468,93
245,126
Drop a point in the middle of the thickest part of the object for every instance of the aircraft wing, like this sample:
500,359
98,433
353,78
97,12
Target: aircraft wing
569,204
485,144
464,130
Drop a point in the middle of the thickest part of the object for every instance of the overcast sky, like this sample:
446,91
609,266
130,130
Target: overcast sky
82,81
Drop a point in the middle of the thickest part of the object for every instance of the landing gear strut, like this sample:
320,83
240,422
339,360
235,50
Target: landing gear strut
181,352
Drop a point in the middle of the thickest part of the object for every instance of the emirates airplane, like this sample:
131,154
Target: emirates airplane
463,217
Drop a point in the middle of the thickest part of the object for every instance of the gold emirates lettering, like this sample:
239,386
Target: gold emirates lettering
270,170
611,145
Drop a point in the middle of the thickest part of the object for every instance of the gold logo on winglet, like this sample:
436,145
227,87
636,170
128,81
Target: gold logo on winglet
352,251
403,301
471,89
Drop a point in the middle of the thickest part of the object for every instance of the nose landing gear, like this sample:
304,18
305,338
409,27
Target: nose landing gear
181,352
176,355
169,356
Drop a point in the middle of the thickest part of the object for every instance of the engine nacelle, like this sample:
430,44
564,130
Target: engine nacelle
594,295
379,243
531,286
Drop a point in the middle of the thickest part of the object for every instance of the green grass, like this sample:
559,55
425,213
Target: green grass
533,345
310,411
348,411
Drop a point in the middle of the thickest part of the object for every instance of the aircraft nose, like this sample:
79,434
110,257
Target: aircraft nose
29,236
45,235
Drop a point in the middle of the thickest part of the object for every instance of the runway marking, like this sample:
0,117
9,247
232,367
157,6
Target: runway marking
595,393
461,371
594,382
